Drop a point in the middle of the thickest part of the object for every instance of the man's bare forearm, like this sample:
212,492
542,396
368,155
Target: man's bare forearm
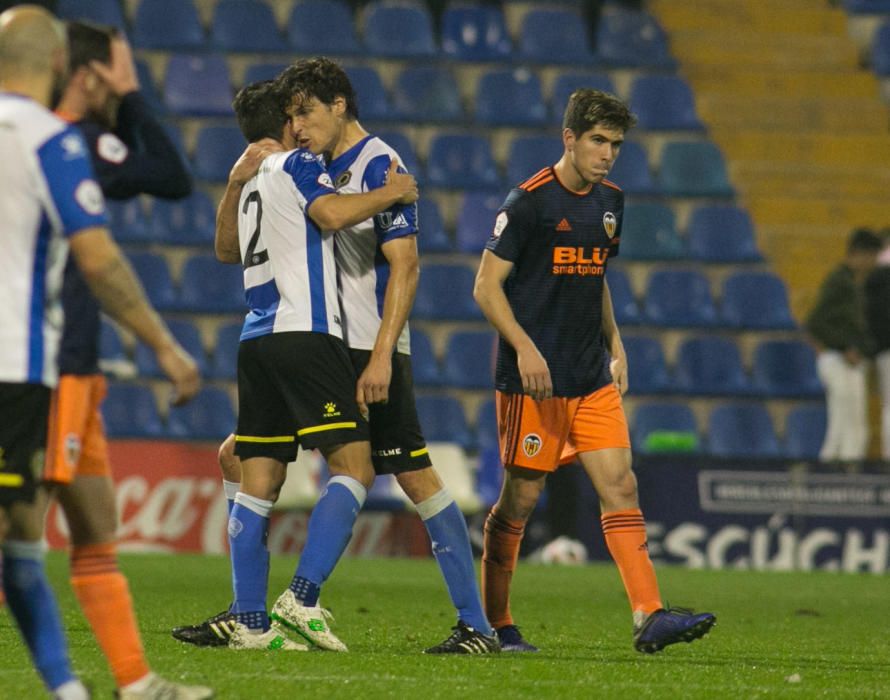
225,243
397,302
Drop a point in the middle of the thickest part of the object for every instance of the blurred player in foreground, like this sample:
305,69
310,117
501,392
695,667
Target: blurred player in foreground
561,366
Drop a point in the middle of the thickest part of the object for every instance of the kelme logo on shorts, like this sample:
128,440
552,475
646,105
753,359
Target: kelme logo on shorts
531,444
330,410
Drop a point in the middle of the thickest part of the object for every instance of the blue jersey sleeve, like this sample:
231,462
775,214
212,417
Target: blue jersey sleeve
65,161
309,175
400,219
512,225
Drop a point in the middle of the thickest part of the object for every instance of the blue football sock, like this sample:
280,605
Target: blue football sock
33,605
451,547
248,527
330,529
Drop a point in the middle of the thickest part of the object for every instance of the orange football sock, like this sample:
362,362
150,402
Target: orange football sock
625,532
499,555
104,597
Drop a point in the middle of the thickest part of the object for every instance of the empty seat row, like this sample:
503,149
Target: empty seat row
206,285
389,30
712,366
735,430
682,298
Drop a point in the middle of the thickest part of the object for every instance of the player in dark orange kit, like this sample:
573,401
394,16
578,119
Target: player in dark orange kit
561,366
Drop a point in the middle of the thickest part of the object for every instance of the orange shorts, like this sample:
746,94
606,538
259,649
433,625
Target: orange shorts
545,434
76,443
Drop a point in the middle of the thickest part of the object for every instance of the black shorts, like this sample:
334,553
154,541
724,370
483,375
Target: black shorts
23,431
295,389
397,443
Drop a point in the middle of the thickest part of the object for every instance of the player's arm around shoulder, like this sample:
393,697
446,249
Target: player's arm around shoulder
334,212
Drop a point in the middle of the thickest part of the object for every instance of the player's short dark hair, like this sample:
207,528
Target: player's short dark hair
588,108
864,240
258,111
88,42
321,78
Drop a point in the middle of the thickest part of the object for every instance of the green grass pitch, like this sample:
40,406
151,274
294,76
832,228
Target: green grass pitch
779,635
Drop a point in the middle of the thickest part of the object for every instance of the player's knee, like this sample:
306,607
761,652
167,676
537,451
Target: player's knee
420,485
229,464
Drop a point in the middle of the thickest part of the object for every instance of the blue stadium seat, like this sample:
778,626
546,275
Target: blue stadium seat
399,30
722,234
128,221
664,103
469,360
510,97
490,474
742,430
554,35
880,50
805,431
446,292
224,362
152,271
263,70
632,39
208,416
209,286
461,161
442,419
649,232
198,86
322,27
433,238
475,222
403,146
216,150
129,410
188,336
870,7
97,11
693,169
148,86
245,26
427,93
487,426
755,301
189,221
373,100
475,33
528,154
710,366
566,83
652,418
168,25
627,311
679,298
111,347
647,369
631,170
786,368
424,364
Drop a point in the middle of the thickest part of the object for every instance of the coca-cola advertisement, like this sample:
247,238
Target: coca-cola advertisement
170,499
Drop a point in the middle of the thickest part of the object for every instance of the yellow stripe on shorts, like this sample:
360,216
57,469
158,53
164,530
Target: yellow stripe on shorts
11,480
277,438
421,451
329,426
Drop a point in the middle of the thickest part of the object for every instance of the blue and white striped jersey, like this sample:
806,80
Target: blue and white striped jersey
363,269
47,193
290,277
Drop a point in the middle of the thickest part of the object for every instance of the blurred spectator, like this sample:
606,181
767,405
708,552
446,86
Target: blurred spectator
877,300
838,328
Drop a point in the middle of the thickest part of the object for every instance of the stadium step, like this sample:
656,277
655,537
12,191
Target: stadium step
797,114
765,51
767,177
710,16
819,148
746,82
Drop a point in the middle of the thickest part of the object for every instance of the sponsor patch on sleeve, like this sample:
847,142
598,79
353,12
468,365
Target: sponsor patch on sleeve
500,223
89,196
111,148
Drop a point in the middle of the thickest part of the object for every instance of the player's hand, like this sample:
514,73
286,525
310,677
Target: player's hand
250,161
120,76
181,369
403,184
618,368
535,373
852,356
373,384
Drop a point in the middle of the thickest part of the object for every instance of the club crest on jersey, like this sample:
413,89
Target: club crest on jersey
72,448
500,223
531,444
610,223
343,179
